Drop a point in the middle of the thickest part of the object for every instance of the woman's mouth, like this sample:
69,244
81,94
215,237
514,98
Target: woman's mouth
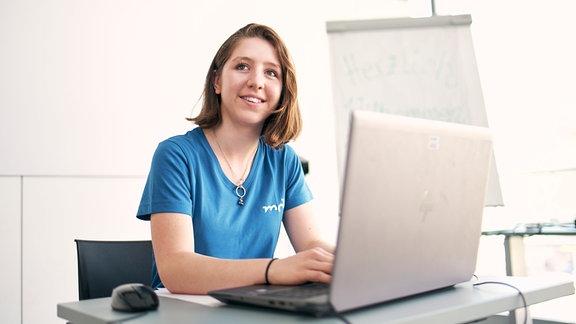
252,99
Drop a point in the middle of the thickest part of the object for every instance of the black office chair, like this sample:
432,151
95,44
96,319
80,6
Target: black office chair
305,165
104,265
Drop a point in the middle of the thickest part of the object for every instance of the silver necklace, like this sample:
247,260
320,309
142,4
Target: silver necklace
240,191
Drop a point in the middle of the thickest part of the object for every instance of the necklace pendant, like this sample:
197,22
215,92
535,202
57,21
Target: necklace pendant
240,193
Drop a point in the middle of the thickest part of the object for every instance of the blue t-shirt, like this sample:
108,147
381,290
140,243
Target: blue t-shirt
186,177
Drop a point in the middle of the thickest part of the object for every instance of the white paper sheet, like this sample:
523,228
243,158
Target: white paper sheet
198,299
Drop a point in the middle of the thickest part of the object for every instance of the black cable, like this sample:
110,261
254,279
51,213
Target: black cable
524,304
342,318
338,314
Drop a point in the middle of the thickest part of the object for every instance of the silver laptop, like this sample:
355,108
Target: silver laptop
411,213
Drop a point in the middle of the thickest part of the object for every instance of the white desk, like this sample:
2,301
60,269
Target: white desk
462,303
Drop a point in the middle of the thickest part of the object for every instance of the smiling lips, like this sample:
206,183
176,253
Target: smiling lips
252,99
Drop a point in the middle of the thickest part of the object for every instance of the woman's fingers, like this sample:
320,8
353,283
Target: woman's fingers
310,265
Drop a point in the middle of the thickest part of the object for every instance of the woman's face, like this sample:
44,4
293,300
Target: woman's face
250,83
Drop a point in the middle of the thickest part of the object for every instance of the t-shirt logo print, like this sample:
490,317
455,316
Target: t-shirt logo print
278,207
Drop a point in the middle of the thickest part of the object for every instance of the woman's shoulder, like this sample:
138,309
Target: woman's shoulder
192,137
284,149
285,154
189,143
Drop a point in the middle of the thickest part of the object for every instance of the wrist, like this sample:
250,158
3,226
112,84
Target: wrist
267,272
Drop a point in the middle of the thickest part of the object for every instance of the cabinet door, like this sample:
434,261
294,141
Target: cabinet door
58,210
10,249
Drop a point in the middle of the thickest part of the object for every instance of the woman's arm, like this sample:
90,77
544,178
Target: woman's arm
184,271
303,230
314,257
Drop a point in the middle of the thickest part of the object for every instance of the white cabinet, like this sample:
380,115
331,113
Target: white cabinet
10,249
57,210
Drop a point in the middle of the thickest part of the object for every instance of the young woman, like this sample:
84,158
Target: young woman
217,195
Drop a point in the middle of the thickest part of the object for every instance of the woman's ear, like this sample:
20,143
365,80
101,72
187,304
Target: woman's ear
216,84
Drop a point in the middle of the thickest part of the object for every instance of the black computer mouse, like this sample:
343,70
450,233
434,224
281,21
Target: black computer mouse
134,297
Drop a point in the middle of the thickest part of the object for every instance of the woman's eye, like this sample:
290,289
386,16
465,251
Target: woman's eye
242,67
272,73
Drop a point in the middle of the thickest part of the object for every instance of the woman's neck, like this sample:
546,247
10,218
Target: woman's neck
235,152
235,143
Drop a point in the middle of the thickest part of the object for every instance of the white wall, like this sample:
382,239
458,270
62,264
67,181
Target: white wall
90,87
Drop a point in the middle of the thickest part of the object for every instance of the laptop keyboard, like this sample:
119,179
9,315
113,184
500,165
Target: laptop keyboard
304,291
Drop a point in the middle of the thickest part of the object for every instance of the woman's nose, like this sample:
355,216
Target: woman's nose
256,81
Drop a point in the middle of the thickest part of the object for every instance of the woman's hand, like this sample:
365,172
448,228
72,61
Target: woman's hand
310,265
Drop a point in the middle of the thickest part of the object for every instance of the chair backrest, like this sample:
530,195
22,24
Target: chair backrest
104,265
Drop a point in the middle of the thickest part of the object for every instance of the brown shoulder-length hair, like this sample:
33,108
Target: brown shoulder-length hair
285,123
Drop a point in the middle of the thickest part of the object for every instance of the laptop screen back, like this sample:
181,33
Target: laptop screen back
411,208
